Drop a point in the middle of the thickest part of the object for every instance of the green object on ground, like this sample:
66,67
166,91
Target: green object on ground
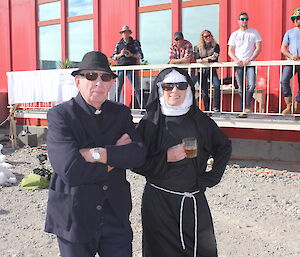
34,181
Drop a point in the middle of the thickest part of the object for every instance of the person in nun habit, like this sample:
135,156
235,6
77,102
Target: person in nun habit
176,218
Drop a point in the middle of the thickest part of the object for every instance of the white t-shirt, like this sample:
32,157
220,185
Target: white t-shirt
244,42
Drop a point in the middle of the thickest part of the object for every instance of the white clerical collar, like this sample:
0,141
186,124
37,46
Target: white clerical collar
97,112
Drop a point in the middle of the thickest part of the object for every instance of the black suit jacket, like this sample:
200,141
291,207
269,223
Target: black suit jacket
76,189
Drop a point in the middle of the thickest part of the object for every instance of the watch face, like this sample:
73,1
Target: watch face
96,154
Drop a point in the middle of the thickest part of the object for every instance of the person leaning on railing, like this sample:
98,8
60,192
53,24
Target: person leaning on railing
181,50
244,46
128,52
291,49
208,51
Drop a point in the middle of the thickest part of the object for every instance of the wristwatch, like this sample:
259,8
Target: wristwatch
96,154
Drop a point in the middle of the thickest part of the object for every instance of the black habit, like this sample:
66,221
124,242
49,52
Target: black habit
161,209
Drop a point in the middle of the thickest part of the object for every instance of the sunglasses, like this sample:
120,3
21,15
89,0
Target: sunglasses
92,76
244,19
296,18
207,36
170,86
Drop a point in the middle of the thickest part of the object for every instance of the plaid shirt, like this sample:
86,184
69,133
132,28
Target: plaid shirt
186,50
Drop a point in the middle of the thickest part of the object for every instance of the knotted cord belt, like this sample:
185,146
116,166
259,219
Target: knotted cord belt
184,195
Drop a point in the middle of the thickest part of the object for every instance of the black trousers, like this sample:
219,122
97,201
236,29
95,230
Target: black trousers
112,240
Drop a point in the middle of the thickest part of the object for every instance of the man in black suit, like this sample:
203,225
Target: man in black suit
91,141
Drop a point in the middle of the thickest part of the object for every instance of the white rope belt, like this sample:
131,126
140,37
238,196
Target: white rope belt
184,195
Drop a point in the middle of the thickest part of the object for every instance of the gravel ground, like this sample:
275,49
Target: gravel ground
255,210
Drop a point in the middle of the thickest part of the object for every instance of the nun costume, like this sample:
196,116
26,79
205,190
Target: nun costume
176,218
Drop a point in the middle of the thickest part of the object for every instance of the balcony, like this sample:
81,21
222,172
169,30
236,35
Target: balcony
37,91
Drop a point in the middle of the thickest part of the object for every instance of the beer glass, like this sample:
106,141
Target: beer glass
190,146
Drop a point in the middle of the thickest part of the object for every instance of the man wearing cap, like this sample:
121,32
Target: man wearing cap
291,49
128,52
91,141
244,46
181,50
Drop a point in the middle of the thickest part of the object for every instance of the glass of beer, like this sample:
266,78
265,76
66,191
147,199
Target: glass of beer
190,146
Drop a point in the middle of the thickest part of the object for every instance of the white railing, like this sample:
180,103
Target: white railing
268,100
267,95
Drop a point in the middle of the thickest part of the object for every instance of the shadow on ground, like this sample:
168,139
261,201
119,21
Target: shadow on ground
19,177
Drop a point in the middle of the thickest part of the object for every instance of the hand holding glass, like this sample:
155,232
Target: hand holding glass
190,146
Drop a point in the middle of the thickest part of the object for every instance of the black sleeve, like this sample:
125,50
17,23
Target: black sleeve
216,54
117,49
217,49
220,150
139,49
156,160
127,156
64,154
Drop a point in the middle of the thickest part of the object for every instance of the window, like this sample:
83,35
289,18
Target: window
80,39
79,7
80,29
155,25
155,29
49,46
153,2
49,11
198,18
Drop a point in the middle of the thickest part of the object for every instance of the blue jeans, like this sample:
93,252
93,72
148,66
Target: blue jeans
287,74
206,73
136,84
251,77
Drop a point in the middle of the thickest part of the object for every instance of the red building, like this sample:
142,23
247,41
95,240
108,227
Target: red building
36,34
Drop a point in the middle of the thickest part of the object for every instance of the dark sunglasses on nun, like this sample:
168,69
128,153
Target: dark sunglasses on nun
170,86
92,76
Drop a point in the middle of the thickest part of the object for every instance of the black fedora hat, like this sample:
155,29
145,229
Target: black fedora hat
94,60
